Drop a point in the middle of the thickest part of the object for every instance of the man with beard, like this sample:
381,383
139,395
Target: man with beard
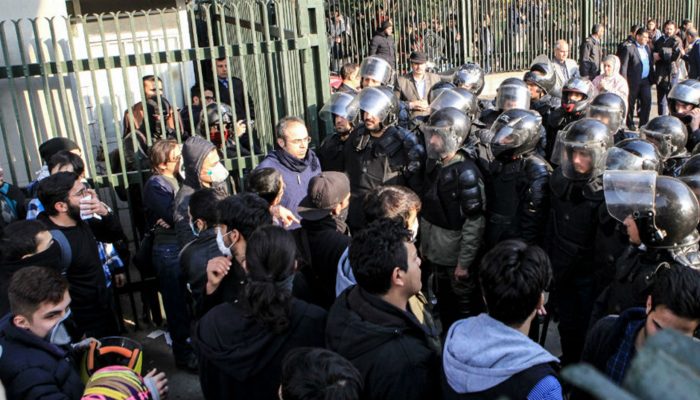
323,236
667,50
79,214
453,222
378,152
330,152
294,160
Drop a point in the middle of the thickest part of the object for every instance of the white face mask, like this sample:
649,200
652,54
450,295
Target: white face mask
414,230
218,174
59,334
225,250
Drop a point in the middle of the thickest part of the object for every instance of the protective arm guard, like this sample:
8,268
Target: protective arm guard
472,202
471,195
535,204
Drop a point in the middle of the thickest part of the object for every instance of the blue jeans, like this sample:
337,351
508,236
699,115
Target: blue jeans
167,265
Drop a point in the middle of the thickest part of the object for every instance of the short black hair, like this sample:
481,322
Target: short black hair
670,22
512,276
244,212
640,32
54,189
19,239
348,69
391,201
677,287
265,182
196,90
65,157
203,205
31,286
310,373
376,251
635,28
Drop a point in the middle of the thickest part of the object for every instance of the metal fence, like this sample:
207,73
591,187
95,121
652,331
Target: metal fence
500,35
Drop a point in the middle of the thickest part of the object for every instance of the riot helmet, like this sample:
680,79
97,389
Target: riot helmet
664,209
572,88
445,131
514,133
690,174
512,93
437,89
377,101
609,109
541,74
667,133
335,108
687,92
376,69
470,76
217,116
458,98
581,149
633,155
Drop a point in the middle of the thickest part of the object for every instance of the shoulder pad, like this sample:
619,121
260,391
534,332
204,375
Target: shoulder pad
537,167
470,193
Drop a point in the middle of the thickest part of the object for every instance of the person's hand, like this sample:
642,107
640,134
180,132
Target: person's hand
283,215
657,57
240,128
695,122
120,280
161,382
461,273
90,204
162,224
419,105
217,269
541,310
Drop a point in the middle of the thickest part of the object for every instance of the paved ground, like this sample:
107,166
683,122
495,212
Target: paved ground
185,386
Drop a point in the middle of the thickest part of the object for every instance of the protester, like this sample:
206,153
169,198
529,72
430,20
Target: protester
318,374
382,44
12,202
350,73
610,80
591,53
122,383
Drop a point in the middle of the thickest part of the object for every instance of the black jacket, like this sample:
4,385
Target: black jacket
591,56
239,358
193,263
321,243
388,346
32,368
330,153
669,49
382,45
605,336
238,98
631,65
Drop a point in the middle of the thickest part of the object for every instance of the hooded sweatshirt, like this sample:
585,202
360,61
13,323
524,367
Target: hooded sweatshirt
240,358
194,152
482,352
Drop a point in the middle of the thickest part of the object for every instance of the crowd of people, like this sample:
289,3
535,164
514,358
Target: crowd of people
420,251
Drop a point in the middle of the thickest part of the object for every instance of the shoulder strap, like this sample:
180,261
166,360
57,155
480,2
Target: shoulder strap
66,252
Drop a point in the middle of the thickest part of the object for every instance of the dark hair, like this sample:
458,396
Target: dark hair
677,288
390,202
640,32
65,157
159,153
31,286
203,205
652,20
265,182
54,189
244,212
348,69
669,22
310,373
635,28
512,276
376,251
19,239
270,257
151,78
596,29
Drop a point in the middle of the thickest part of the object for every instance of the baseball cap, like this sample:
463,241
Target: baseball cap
325,191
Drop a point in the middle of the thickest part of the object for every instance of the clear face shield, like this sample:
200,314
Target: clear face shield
377,69
451,98
618,159
662,141
440,141
513,96
629,194
336,106
581,160
372,101
612,118
504,139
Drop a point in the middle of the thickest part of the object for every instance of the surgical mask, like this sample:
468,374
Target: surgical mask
218,174
414,230
59,335
195,231
225,250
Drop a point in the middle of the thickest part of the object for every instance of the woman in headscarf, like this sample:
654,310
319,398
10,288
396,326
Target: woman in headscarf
610,79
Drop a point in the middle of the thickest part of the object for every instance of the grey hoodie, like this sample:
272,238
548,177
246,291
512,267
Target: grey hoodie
481,352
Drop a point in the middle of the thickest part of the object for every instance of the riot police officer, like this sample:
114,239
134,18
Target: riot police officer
610,109
511,93
378,152
470,76
669,135
577,94
452,220
330,152
690,174
684,103
541,80
633,155
518,179
574,228
661,213
375,71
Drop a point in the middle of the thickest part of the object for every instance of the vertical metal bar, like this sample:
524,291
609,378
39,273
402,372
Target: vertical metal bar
50,115
66,108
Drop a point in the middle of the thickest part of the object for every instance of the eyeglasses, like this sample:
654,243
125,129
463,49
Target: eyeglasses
299,142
